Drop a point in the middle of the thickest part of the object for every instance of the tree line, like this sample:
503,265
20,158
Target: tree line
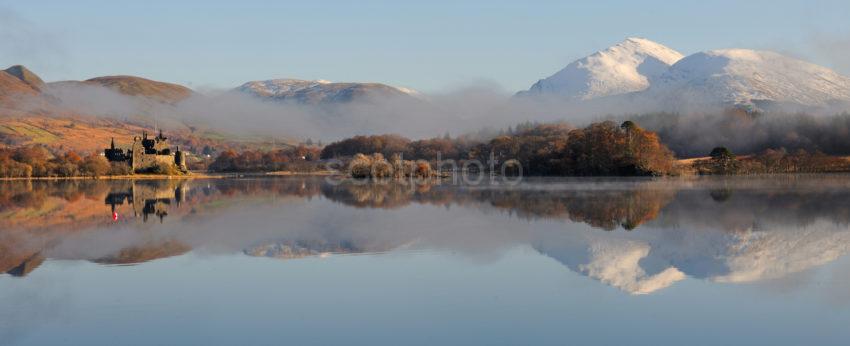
38,161
604,148
722,161
300,158
695,134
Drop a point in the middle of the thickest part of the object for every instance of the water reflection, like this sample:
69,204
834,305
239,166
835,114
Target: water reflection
639,235
151,197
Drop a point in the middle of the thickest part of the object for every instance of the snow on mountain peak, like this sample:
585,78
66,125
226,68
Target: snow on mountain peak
749,77
626,67
274,87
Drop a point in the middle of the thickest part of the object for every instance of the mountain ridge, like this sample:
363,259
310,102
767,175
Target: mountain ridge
318,91
133,86
752,79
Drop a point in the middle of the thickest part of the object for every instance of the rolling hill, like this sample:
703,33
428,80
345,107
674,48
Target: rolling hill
132,86
31,113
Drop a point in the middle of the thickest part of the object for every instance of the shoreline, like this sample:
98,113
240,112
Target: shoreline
237,175
182,177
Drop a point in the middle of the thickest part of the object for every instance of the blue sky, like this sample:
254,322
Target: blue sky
429,45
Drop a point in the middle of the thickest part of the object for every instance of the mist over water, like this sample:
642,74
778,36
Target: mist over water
691,129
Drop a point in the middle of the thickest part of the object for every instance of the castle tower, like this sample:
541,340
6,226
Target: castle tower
180,160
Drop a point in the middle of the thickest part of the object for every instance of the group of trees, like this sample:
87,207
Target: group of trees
300,158
385,144
695,134
607,149
38,161
599,149
376,166
444,147
604,148
723,161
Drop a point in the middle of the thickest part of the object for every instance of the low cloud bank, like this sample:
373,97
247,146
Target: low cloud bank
692,130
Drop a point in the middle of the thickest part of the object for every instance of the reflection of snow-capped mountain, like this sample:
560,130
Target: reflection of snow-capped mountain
615,262
762,255
282,250
654,258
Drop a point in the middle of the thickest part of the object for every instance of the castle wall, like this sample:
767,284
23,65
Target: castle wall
146,161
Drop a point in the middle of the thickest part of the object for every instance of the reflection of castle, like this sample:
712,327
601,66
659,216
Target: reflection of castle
148,197
147,153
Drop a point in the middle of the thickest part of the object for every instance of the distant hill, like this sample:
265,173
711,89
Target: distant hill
26,76
320,91
18,81
134,86
30,114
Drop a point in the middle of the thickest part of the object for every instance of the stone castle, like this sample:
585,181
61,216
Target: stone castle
147,153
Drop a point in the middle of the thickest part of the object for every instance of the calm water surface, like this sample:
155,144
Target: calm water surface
314,261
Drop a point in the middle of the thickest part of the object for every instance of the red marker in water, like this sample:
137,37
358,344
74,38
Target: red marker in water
114,216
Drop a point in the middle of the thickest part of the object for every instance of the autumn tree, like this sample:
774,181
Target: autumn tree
94,166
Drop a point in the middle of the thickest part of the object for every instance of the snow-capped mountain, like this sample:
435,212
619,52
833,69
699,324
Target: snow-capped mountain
626,67
647,76
319,91
736,77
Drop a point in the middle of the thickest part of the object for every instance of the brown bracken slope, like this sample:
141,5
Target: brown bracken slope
137,86
30,115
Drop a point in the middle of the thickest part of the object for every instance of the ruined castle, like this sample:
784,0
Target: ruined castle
147,153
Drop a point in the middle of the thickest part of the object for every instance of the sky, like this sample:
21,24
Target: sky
429,45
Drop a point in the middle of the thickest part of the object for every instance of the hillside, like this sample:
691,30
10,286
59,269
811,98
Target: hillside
30,114
14,84
26,76
134,86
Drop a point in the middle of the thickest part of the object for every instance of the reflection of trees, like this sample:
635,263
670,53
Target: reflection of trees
36,215
689,225
744,209
32,194
606,209
382,194
290,186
